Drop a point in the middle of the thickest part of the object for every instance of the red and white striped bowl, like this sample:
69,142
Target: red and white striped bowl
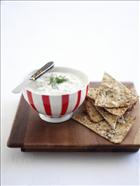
57,108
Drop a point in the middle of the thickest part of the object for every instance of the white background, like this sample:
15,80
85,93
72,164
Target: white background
91,36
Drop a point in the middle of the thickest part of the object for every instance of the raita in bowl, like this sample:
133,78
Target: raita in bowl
57,94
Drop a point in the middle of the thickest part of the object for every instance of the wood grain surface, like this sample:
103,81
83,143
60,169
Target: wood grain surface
30,133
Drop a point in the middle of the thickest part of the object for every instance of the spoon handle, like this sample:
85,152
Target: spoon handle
42,70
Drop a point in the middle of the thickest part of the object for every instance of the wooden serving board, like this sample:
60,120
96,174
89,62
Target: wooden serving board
30,133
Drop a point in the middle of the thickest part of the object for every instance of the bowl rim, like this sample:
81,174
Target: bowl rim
54,95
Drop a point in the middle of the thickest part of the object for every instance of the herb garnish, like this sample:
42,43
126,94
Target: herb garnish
54,81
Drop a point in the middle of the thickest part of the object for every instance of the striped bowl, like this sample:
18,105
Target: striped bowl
57,108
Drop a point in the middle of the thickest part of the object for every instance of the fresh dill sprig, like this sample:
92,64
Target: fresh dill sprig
54,81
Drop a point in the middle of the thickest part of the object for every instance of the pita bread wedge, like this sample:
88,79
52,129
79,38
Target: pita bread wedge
117,111
93,114
110,118
104,130
92,93
114,94
122,110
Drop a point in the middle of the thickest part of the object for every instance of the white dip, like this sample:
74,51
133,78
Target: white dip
56,83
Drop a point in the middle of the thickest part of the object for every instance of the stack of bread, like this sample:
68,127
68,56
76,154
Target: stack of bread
107,109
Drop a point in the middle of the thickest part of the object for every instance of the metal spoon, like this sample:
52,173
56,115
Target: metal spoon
35,76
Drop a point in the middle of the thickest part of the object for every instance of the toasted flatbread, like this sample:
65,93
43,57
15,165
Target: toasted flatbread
93,114
104,130
92,93
114,94
122,110
117,111
110,118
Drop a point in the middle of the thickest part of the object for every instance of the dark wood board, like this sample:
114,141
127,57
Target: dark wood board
30,133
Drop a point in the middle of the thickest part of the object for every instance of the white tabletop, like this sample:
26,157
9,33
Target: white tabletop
90,36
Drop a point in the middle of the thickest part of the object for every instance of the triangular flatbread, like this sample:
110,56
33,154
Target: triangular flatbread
92,93
110,118
114,94
117,111
93,114
94,111
103,129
